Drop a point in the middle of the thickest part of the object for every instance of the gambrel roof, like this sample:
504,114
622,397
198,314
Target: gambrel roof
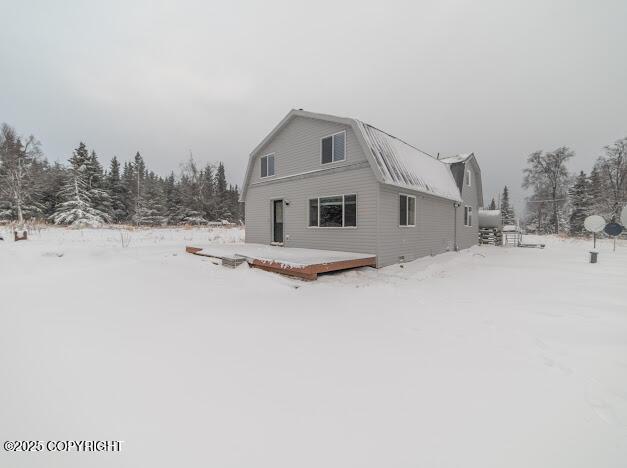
393,161
458,165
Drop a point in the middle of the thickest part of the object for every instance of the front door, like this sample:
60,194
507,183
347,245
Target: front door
277,221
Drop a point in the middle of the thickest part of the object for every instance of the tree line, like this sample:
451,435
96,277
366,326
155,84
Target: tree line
83,193
560,201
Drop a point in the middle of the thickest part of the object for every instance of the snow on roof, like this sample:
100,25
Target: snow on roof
457,158
394,161
405,166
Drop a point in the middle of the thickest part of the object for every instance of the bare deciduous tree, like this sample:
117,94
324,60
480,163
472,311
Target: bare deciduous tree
612,168
547,173
17,161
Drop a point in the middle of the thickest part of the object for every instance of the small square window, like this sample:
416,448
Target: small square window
267,165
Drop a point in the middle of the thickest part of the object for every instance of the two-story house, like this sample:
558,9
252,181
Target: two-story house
325,182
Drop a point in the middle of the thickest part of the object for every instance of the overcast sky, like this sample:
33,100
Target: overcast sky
498,78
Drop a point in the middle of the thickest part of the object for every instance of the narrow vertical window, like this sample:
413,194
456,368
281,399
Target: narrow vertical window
313,212
350,210
411,211
403,210
339,146
468,216
468,177
327,150
407,210
267,165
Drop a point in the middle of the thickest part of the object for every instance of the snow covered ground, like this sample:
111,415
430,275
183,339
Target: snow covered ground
491,357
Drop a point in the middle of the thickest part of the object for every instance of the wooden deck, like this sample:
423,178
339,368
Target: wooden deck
308,270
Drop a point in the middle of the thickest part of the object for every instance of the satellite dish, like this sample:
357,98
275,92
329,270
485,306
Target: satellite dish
613,229
594,223
623,215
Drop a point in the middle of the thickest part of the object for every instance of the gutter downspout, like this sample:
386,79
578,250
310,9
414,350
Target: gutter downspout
455,246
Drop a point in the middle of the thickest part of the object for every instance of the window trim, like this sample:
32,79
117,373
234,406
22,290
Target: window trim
273,165
468,215
307,212
333,149
468,178
407,210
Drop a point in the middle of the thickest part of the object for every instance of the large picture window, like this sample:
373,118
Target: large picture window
407,210
333,148
267,165
338,211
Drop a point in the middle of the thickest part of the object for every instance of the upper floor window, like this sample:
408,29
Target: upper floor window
407,205
468,177
468,216
338,211
333,148
267,165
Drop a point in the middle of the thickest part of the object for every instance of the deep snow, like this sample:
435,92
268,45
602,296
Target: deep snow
489,357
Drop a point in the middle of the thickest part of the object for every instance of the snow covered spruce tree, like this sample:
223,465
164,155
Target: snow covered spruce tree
580,203
492,205
77,206
507,211
117,192
152,210
19,164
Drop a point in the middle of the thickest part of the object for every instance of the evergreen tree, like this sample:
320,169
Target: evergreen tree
137,189
52,181
127,188
117,192
507,211
77,206
208,193
221,195
173,203
98,190
492,205
152,210
580,202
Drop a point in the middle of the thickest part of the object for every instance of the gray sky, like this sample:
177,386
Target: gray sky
498,78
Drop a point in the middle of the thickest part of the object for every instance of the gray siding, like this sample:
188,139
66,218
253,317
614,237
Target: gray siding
299,176
298,191
433,233
467,236
296,148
